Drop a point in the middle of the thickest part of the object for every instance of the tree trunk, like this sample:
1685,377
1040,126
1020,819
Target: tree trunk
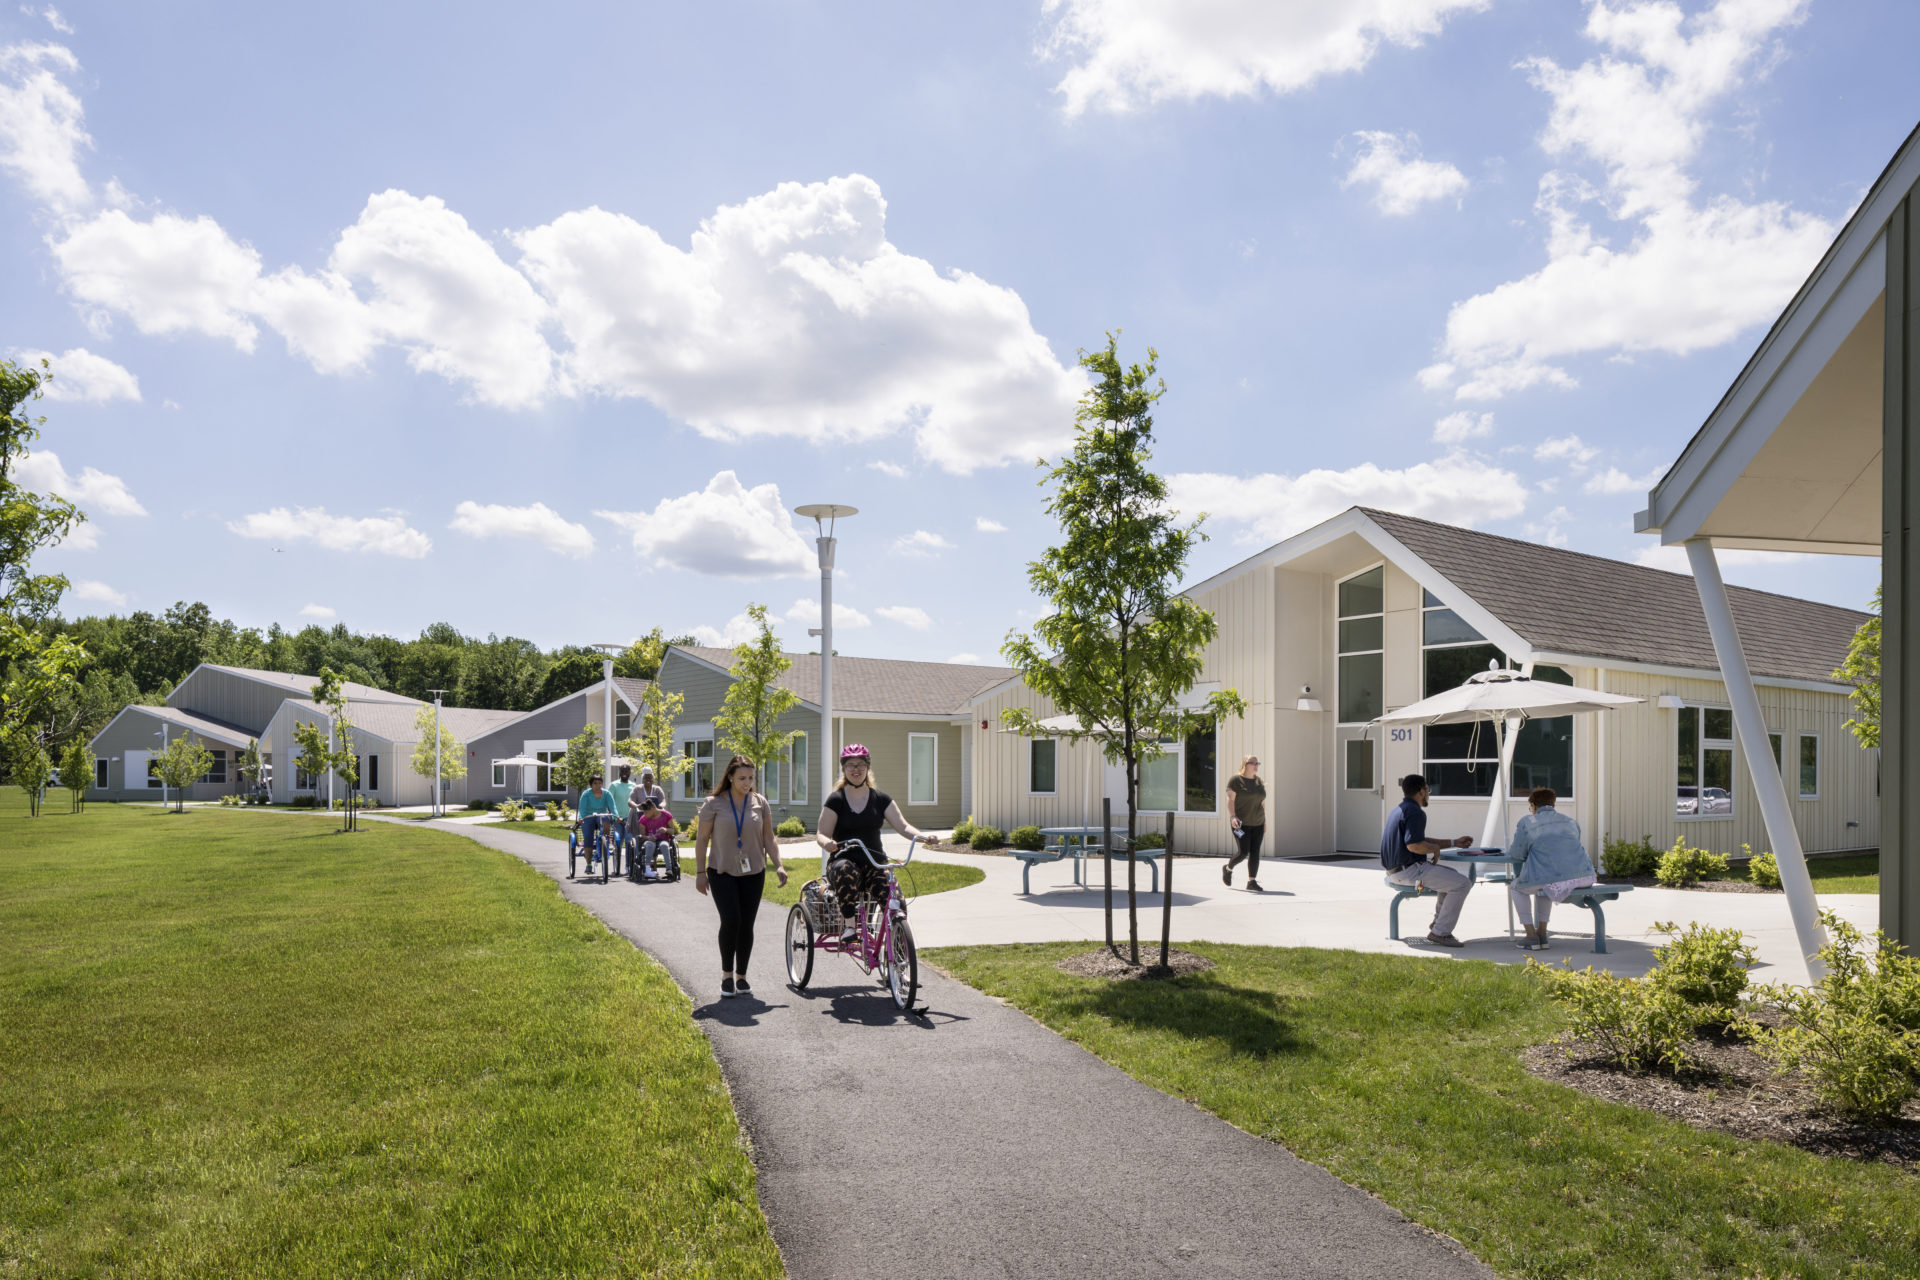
1106,859
1133,822
1166,897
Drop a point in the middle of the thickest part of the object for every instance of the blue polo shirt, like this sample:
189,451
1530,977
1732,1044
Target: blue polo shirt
1406,825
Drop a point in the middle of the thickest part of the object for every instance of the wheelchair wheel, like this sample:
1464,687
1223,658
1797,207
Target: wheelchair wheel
799,948
673,864
903,966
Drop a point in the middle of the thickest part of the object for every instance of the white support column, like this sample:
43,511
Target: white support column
1769,787
1495,826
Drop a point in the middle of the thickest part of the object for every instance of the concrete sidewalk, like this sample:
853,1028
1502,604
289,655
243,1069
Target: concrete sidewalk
974,1142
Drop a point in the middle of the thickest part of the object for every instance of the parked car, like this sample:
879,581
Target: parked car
1700,801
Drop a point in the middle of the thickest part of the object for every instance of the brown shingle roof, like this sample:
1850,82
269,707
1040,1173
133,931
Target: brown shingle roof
394,721
1569,602
879,686
634,691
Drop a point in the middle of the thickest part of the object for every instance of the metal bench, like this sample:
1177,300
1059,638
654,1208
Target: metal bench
1590,897
1053,853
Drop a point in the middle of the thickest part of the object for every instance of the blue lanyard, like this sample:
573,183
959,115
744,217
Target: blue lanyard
739,819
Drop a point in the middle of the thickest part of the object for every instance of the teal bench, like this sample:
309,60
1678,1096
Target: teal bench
1030,856
1081,853
1590,897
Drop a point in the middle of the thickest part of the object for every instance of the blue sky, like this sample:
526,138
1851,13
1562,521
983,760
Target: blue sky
538,323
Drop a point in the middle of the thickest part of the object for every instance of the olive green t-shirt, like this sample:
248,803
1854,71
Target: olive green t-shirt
1249,800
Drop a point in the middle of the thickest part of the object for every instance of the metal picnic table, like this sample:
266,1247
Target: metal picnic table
1079,844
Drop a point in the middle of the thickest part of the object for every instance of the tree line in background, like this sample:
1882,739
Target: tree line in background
140,657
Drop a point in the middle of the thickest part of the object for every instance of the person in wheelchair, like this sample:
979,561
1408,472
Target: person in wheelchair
856,810
597,810
653,836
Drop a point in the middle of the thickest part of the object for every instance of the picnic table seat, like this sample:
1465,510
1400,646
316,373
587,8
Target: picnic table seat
1591,897
1049,853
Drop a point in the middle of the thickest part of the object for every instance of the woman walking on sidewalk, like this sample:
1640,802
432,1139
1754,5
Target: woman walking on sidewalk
736,825
1247,812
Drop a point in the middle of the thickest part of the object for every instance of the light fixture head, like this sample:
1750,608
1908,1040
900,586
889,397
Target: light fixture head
1306,701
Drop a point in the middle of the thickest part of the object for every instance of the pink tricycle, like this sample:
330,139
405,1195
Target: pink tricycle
882,943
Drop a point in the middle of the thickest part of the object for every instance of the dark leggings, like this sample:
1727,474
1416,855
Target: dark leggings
1249,841
738,898
852,879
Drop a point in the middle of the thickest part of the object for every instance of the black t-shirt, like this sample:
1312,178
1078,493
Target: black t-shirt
863,826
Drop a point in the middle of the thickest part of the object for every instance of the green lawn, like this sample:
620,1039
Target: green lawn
1402,1076
919,880
1855,873
243,1045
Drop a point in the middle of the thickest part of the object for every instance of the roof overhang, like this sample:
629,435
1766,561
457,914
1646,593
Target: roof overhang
172,716
1789,460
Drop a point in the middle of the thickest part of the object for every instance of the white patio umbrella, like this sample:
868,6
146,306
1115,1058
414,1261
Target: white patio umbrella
1506,699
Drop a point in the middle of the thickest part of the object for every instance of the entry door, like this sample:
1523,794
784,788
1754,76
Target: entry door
1359,810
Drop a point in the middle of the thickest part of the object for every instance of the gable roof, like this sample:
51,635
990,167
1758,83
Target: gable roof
874,686
395,721
205,726
300,686
1568,602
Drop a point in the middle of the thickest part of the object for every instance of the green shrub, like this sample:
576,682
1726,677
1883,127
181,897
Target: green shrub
302,802
479,804
1635,1024
528,813
1027,839
1151,840
987,838
553,811
232,800
1762,869
1706,967
1624,858
791,827
509,810
1856,1032
963,831
1682,868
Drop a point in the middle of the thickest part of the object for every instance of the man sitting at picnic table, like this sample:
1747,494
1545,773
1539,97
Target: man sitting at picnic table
1408,856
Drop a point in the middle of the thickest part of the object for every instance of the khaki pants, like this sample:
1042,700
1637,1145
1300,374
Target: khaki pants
1452,887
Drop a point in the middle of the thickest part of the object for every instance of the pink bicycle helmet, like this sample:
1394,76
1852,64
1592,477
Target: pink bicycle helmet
854,751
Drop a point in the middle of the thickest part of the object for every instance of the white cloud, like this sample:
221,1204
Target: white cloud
385,535
1674,559
168,275
1692,273
538,523
1571,450
1614,480
82,537
1457,489
741,627
983,525
725,530
893,469
41,129
98,593
1128,53
53,17
921,543
1401,181
965,659
92,491
1458,428
80,375
316,611
907,616
1551,532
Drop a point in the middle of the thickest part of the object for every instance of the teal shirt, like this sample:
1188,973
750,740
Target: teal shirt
620,791
591,804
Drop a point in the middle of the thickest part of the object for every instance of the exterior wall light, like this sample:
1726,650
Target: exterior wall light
1306,700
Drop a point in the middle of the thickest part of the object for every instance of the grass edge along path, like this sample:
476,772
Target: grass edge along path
246,1045
1402,1076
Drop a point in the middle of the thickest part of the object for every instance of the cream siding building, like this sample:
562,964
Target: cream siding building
1371,611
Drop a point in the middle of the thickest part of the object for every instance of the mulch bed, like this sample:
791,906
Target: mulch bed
1108,964
1735,1092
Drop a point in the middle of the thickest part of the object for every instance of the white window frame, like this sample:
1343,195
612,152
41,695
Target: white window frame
534,747
1801,741
799,764
499,776
935,798
371,778
1339,653
687,785
100,773
1053,745
1703,744
1176,751
219,758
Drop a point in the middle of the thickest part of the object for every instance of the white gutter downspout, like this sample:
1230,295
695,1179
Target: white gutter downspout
1769,786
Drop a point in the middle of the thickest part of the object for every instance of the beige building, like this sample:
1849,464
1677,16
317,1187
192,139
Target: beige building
1370,611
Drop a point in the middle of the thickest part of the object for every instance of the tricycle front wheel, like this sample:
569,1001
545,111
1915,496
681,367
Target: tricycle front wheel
799,948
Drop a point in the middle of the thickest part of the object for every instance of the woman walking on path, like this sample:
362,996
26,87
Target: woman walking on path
737,823
1247,812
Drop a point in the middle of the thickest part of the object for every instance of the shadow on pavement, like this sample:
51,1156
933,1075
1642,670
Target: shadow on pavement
741,1011
1073,897
871,1007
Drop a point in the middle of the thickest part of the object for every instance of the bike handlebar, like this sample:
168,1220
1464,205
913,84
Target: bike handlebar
855,843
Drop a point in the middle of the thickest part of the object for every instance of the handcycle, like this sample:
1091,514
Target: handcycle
882,942
605,849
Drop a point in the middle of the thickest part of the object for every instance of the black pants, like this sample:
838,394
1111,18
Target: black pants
738,899
1249,841
854,878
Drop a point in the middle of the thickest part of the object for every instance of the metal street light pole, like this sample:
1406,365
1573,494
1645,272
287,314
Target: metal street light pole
436,749
823,515
606,673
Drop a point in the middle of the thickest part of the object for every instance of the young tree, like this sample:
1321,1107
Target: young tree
652,746
452,758
76,774
249,765
28,763
314,751
1120,648
340,755
586,756
183,763
755,702
1862,671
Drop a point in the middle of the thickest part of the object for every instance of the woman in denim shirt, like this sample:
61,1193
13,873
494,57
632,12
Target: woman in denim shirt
1553,863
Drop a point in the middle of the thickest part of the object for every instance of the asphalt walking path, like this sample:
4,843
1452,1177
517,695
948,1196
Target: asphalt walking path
971,1141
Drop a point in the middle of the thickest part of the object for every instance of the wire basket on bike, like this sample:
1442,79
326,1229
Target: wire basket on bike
822,908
